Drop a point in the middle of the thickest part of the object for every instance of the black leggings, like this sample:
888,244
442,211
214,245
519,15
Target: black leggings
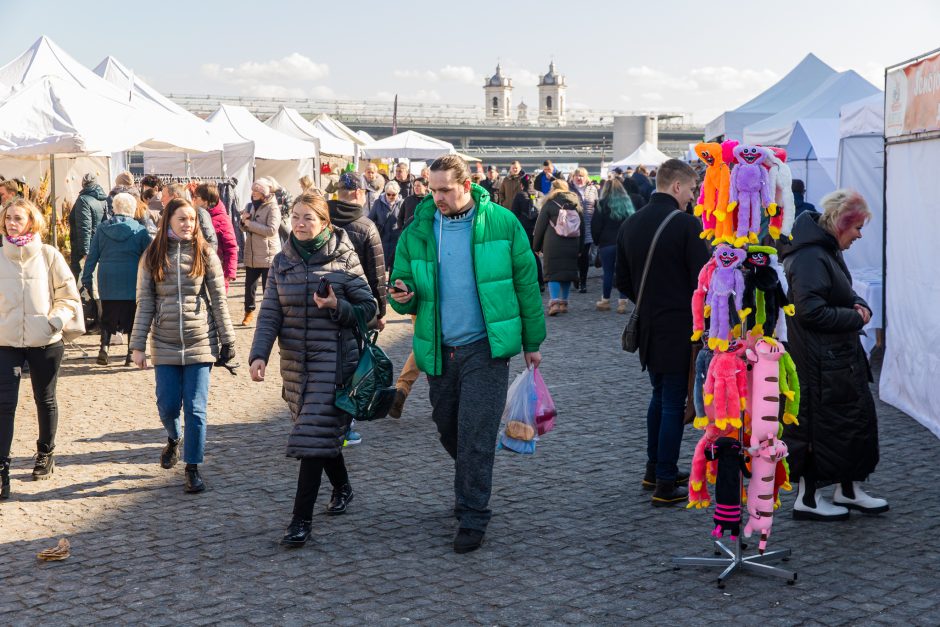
251,284
584,258
308,481
44,362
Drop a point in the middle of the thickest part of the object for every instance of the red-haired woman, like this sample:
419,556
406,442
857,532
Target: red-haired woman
836,440
181,305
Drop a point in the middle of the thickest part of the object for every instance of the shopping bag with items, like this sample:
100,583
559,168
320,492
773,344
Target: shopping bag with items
519,426
544,405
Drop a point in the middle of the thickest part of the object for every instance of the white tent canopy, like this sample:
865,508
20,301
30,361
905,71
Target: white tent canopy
407,145
863,117
861,167
824,102
290,122
647,154
337,129
53,116
237,124
792,88
365,137
811,155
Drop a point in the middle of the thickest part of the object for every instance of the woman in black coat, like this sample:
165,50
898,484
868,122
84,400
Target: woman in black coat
315,335
614,207
559,254
836,440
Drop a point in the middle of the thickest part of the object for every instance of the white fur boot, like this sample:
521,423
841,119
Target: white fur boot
862,502
824,510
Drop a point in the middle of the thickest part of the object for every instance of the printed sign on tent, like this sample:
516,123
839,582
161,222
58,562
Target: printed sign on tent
913,98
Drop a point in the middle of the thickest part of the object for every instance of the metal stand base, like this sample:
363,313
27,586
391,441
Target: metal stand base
734,561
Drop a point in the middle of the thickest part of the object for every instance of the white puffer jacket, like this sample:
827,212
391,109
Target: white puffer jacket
31,313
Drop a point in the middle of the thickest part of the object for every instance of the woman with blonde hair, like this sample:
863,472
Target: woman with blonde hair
181,306
115,251
38,298
581,185
315,287
559,254
836,440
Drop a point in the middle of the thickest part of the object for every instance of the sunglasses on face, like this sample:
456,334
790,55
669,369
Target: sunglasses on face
391,195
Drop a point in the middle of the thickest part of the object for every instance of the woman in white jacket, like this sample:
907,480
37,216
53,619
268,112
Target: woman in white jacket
38,297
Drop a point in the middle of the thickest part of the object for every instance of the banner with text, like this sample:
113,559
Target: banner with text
913,98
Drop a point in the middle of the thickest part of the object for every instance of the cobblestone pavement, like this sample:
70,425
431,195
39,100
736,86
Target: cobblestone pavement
573,539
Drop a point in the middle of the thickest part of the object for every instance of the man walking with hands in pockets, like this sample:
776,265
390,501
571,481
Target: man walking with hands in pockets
465,269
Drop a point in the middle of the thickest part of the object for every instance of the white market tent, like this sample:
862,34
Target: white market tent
789,90
365,137
337,129
275,154
860,166
290,122
407,145
811,154
647,154
824,102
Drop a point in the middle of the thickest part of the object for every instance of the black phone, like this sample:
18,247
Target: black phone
323,289
394,288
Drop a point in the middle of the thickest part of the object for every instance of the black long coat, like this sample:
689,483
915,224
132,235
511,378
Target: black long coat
559,254
837,438
666,307
310,339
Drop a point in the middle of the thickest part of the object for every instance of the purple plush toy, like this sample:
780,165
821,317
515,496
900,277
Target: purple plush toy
727,279
750,191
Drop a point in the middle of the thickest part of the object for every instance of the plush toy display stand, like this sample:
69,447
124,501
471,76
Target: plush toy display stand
731,559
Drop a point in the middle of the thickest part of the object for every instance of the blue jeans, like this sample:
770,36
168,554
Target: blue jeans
608,261
558,290
664,422
185,387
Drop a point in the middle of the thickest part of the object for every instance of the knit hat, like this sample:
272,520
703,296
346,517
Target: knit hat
351,181
124,178
89,179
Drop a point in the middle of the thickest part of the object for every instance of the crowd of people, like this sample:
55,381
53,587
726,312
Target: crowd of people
156,260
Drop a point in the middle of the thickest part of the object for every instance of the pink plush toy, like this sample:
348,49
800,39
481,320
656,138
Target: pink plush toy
726,385
764,403
703,470
700,310
727,280
750,191
760,490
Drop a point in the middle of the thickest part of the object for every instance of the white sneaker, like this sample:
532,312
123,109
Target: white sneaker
824,510
862,502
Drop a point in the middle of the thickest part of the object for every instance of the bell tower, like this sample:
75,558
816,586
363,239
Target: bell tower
498,98
552,105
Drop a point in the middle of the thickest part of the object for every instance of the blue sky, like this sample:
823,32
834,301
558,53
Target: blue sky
615,55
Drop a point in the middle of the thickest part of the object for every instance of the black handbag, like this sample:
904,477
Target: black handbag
630,339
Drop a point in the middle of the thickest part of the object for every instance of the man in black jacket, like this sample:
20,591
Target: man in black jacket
665,316
346,213
407,213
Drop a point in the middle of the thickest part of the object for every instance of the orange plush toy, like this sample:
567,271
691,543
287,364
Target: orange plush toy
713,199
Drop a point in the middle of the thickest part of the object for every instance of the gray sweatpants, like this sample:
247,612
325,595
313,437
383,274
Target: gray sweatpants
468,399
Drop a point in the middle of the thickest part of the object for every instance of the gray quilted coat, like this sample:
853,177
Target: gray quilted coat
310,339
261,239
176,311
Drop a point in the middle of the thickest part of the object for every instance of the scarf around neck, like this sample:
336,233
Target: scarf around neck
306,248
21,240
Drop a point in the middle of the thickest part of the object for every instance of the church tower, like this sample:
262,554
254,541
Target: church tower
552,104
498,95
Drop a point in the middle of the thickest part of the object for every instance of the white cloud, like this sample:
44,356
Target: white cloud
460,74
426,75
278,78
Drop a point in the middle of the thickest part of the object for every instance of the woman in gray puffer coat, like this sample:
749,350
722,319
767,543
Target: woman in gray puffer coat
315,335
181,305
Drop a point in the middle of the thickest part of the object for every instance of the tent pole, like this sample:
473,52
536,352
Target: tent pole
53,228
884,224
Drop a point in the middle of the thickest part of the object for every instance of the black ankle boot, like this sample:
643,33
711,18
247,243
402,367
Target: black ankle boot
297,533
649,478
103,351
4,478
194,482
45,464
668,493
342,496
170,454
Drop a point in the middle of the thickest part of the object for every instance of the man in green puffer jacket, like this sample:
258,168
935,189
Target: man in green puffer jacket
465,269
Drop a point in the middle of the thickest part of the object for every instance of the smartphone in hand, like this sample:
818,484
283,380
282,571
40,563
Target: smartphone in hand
323,289
397,290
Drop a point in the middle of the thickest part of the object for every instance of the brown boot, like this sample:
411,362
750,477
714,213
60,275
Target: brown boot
622,306
603,304
554,308
564,306
248,319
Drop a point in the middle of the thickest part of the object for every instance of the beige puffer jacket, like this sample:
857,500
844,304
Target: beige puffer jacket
261,238
176,311
32,314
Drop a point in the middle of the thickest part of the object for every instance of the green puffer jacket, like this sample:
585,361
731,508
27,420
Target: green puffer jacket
505,275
